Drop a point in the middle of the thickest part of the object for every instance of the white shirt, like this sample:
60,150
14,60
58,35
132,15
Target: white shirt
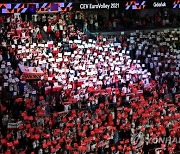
91,21
8,20
96,24
66,107
93,147
85,24
40,151
44,18
95,16
61,27
114,24
124,90
52,27
1,58
45,28
23,34
114,99
34,145
35,17
37,29
86,96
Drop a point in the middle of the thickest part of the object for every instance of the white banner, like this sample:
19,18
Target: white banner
26,69
13,125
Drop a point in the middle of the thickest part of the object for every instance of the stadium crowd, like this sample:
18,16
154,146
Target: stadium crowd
125,20
95,21
62,92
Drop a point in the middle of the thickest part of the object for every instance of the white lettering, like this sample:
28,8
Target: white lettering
162,140
95,6
175,140
154,140
84,6
159,4
168,140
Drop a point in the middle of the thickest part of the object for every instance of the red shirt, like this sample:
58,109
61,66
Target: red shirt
57,34
39,36
1,20
49,29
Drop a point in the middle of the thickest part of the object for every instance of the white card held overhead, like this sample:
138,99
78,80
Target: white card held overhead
59,54
67,53
6,84
59,60
90,40
19,46
104,39
122,33
70,41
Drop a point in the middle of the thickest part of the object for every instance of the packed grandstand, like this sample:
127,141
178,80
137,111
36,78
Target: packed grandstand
66,91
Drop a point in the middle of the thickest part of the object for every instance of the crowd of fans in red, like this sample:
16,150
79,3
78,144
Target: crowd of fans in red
96,96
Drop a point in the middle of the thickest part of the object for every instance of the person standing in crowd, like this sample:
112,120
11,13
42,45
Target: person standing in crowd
96,25
85,26
91,23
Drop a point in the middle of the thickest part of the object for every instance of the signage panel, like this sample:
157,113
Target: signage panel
97,6
176,4
60,6
135,5
159,4
35,7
